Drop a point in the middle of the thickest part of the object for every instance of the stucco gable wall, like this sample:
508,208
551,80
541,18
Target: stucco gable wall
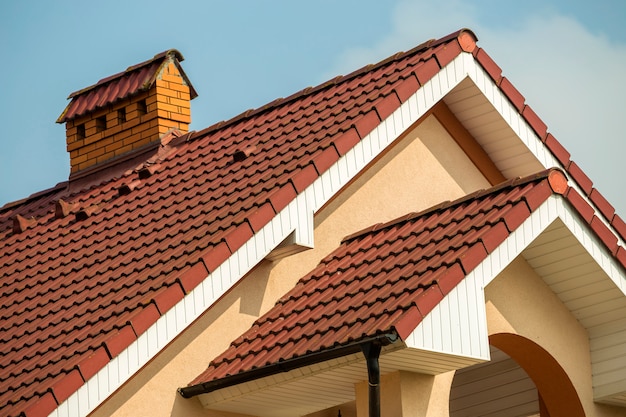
424,168
519,302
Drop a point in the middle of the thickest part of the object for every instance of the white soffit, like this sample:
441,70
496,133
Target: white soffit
592,285
317,387
497,126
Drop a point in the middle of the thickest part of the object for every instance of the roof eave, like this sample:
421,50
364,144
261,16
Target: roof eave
287,365
554,208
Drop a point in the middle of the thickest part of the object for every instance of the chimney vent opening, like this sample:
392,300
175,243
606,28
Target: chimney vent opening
80,131
121,115
104,126
101,123
142,107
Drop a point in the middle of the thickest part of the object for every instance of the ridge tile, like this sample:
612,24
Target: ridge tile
489,65
535,122
559,152
515,97
580,177
603,205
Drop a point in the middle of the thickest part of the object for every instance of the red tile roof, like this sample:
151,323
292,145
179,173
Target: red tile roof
385,279
84,272
116,87
90,270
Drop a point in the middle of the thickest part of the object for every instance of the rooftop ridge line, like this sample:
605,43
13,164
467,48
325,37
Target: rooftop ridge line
555,176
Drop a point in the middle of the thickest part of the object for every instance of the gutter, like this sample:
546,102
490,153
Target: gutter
289,364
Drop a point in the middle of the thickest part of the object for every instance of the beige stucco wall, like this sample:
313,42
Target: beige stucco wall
424,168
408,394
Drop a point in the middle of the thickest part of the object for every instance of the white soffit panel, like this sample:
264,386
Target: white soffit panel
497,126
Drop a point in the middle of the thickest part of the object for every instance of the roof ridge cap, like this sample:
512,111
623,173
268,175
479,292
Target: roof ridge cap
281,101
514,182
174,53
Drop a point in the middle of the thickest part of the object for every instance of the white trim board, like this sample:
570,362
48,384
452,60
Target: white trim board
454,335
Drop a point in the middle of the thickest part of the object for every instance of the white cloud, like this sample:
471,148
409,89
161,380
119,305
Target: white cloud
571,77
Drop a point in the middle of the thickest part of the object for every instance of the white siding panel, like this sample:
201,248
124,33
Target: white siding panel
441,332
496,388
454,326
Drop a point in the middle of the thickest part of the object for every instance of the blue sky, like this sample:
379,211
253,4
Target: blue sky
568,58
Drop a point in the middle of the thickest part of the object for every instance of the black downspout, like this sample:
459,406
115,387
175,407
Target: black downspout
371,351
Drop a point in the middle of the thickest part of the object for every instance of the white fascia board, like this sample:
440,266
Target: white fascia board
458,324
297,216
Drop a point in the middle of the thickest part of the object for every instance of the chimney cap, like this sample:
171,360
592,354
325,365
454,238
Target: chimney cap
134,79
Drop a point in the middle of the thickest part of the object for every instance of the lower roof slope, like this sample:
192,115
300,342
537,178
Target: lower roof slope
381,281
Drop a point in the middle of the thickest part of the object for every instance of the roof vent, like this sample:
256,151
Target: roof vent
21,223
241,155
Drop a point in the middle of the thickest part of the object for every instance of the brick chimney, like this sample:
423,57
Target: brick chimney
127,112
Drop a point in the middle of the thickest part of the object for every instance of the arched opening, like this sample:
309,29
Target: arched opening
522,379
555,388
